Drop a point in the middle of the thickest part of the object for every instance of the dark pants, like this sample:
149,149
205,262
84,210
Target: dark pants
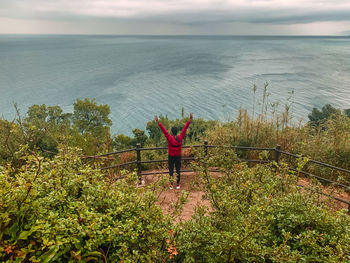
174,160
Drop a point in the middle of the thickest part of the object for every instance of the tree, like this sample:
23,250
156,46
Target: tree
90,117
46,127
140,137
347,112
122,142
317,117
92,124
198,128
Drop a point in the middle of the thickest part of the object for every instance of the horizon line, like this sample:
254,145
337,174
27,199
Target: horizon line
174,35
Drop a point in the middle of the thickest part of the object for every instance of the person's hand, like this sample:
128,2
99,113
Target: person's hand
156,118
191,116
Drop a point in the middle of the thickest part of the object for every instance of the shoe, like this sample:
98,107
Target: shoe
170,186
178,186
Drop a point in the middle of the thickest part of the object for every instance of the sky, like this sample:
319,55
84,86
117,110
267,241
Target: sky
176,17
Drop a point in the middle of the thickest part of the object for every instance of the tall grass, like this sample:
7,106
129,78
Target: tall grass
267,127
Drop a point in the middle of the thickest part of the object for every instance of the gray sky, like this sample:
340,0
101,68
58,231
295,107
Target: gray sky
242,17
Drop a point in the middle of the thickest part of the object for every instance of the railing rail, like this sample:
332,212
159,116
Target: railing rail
277,155
316,162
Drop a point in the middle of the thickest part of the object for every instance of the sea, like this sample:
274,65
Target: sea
143,76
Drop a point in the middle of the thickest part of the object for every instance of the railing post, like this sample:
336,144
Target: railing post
205,148
277,153
138,156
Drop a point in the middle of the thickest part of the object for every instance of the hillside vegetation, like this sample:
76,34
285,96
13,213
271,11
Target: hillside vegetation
62,210
57,206
326,137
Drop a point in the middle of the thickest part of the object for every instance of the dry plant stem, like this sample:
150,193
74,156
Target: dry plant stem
160,193
7,139
103,254
211,194
35,177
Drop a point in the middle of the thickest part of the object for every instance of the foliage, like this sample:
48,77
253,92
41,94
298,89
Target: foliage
319,117
124,142
347,112
11,137
328,141
90,117
93,124
325,138
62,210
256,216
54,207
46,127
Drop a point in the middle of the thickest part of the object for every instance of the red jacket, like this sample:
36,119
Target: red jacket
174,146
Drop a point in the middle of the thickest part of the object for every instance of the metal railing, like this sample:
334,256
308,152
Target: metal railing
277,156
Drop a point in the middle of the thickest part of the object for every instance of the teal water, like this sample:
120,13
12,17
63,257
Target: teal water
143,76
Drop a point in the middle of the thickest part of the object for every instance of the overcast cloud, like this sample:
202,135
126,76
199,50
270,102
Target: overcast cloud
313,17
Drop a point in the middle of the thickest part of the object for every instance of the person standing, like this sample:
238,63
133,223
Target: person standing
174,149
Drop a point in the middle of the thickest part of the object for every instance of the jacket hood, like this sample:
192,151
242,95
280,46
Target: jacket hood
174,142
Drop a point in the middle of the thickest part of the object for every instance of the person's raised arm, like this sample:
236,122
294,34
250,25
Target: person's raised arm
165,132
184,130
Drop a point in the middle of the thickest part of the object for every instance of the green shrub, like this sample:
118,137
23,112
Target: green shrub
258,216
317,117
61,210
11,137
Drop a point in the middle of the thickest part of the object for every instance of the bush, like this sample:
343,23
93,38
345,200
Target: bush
318,117
329,143
62,210
11,137
257,216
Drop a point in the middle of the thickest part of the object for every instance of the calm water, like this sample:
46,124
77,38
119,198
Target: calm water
143,76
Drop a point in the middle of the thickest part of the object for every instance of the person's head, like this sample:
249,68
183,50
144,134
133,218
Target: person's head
174,130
